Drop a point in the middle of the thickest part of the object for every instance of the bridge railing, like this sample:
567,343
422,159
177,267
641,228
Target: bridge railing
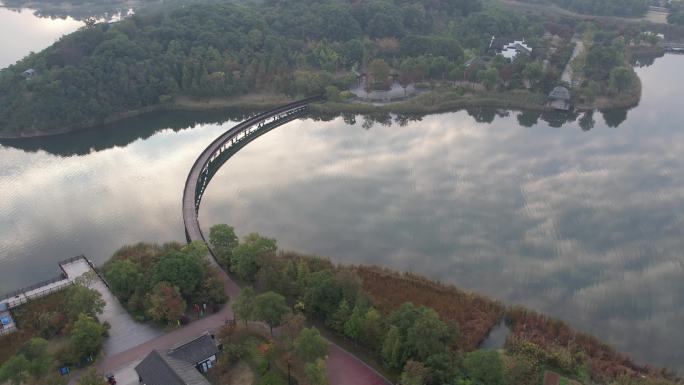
248,123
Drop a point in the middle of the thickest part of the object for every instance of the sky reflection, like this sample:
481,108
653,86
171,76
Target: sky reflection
22,32
584,225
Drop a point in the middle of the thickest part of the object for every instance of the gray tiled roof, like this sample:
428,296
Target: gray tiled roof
160,369
196,350
176,366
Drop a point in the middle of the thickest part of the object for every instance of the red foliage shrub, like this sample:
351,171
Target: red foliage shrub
476,315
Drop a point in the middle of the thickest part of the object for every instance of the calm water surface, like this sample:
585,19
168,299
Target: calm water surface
22,32
583,225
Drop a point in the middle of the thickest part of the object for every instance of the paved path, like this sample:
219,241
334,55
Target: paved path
343,368
124,333
568,73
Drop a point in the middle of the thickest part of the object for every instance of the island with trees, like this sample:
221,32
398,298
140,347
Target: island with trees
436,55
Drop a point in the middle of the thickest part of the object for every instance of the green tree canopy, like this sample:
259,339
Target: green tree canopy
316,373
310,346
621,79
243,306
35,351
484,367
180,270
245,256
223,240
270,307
82,300
16,370
87,337
124,277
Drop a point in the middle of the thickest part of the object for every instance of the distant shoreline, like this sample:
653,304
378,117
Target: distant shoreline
437,101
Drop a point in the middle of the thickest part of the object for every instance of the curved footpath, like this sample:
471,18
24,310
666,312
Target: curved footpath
343,367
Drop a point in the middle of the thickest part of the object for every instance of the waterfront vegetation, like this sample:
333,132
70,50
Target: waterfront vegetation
630,8
179,57
418,330
165,283
58,330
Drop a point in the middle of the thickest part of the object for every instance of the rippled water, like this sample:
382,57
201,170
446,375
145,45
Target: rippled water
584,225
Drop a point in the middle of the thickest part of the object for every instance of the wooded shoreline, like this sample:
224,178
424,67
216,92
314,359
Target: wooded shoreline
440,103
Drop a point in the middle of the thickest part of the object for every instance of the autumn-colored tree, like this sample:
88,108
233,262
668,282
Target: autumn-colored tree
415,373
165,303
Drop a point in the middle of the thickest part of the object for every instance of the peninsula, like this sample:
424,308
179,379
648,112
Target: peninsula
375,56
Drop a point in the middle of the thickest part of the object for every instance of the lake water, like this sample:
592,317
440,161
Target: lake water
586,225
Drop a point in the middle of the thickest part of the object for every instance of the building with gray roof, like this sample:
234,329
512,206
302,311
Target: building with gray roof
180,365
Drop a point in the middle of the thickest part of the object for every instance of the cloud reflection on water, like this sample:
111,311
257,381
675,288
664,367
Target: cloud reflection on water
586,226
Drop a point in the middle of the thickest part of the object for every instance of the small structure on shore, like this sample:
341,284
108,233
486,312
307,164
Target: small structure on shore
180,365
560,99
29,73
509,48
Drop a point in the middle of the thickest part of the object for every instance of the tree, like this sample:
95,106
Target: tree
354,325
316,373
340,317
165,303
392,349
82,300
271,378
620,79
87,337
310,346
415,373
591,91
180,270
372,329
16,370
489,77
92,377
35,351
124,277
428,335
534,71
196,249
211,290
245,256
378,70
586,122
243,306
484,367
270,307
223,239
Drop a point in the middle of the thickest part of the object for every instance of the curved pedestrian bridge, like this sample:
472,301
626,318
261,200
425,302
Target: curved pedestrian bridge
222,149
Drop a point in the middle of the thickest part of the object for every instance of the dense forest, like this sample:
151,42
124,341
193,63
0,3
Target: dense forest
295,48
629,8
